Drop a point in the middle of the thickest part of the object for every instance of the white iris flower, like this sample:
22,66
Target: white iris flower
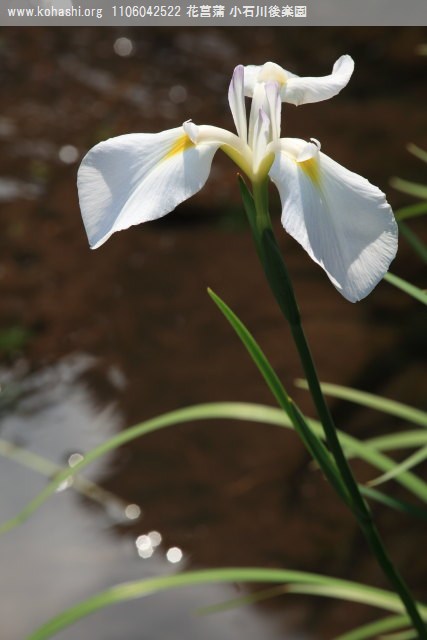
342,221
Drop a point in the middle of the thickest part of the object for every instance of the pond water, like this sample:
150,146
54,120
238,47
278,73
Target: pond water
92,342
69,550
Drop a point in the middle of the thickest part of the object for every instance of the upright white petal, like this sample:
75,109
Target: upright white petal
342,220
139,177
274,106
268,72
236,99
299,90
259,103
261,139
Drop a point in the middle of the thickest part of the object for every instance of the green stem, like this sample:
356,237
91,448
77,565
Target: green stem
281,286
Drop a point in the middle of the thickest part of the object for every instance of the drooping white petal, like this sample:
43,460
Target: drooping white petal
343,222
304,90
300,90
139,177
236,99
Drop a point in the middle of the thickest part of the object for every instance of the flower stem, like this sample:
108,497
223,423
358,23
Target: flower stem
281,286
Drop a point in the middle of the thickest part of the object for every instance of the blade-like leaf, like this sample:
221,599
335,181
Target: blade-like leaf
413,483
394,503
417,151
417,245
411,211
214,411
372,401
298,582
243,601
416,458
411,188
400,440
407,287
376,629
233,411
402,635
313,443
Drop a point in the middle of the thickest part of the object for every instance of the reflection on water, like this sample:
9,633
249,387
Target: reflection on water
10,189
66,551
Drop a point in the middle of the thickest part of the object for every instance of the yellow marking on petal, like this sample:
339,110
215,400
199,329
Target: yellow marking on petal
182,144
311,169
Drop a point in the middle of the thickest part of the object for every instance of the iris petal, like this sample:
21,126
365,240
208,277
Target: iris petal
299,90
236,99
139,177
343,222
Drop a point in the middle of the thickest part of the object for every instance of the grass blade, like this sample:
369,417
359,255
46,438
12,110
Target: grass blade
417,151
411,238
416,458
411,188
298,582
400,440
312,442
214,411
411,211
391,407
355,447
403,635
407,287
393,503
375,629
233,411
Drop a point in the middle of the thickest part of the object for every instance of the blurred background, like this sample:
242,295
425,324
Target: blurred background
92,342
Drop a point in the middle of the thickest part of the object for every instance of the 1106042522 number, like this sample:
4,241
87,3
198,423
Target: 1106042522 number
146,11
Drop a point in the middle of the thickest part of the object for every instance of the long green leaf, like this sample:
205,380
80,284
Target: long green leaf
297,580
407,287
413,483
390,623
391,407
403,635
376,629
233,411
243,601
313,443
417,151
409,463
351,592
400,440
417,245
212,411
393,503
411,211
411,188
